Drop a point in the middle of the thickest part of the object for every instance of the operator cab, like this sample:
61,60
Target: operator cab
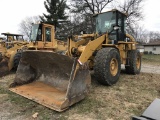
39,30
10,38
13,37
42,35
113,23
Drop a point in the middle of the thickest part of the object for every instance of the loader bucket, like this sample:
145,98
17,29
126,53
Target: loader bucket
53,80
3,67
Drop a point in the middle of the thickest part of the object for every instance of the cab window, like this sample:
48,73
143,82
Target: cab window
48,34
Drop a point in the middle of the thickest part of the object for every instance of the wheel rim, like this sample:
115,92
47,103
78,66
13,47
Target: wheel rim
114,67
138,62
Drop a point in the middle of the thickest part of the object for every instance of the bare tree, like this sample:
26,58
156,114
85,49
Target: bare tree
133,10
85,9
90,6
140,34
154,36
26,25
144,36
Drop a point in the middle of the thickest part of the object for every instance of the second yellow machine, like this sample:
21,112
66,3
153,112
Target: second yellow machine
10,52
11,49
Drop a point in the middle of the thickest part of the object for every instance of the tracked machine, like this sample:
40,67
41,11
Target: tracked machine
58,81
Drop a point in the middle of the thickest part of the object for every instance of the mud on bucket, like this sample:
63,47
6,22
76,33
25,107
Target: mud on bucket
53,80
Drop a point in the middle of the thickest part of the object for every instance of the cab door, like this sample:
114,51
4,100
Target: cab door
48,37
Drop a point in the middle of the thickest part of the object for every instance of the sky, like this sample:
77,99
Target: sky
12,12
152,15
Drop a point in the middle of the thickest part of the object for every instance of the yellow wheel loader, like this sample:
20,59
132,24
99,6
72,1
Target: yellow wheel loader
10,52
58,81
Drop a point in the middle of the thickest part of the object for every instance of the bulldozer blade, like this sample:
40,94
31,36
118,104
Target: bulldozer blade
53,80
4,70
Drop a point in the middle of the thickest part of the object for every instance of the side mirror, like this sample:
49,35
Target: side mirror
116,27
82,32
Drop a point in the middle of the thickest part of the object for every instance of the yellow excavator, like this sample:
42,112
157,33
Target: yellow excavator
58,81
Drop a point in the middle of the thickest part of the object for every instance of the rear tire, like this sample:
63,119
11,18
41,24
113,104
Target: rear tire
133,65
17,58
107,66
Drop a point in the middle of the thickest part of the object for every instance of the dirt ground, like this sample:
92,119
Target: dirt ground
130,96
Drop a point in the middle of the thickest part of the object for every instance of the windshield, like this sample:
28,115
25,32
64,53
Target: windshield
105,22
36,33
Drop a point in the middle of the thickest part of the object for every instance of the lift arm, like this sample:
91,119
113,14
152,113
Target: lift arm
90,48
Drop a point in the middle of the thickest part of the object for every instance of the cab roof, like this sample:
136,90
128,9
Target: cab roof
113,10
9,34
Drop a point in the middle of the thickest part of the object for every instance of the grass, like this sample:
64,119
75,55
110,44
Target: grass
26,107
154,59
130,96
3,91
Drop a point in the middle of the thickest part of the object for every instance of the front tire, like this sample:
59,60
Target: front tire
107,66
16,61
